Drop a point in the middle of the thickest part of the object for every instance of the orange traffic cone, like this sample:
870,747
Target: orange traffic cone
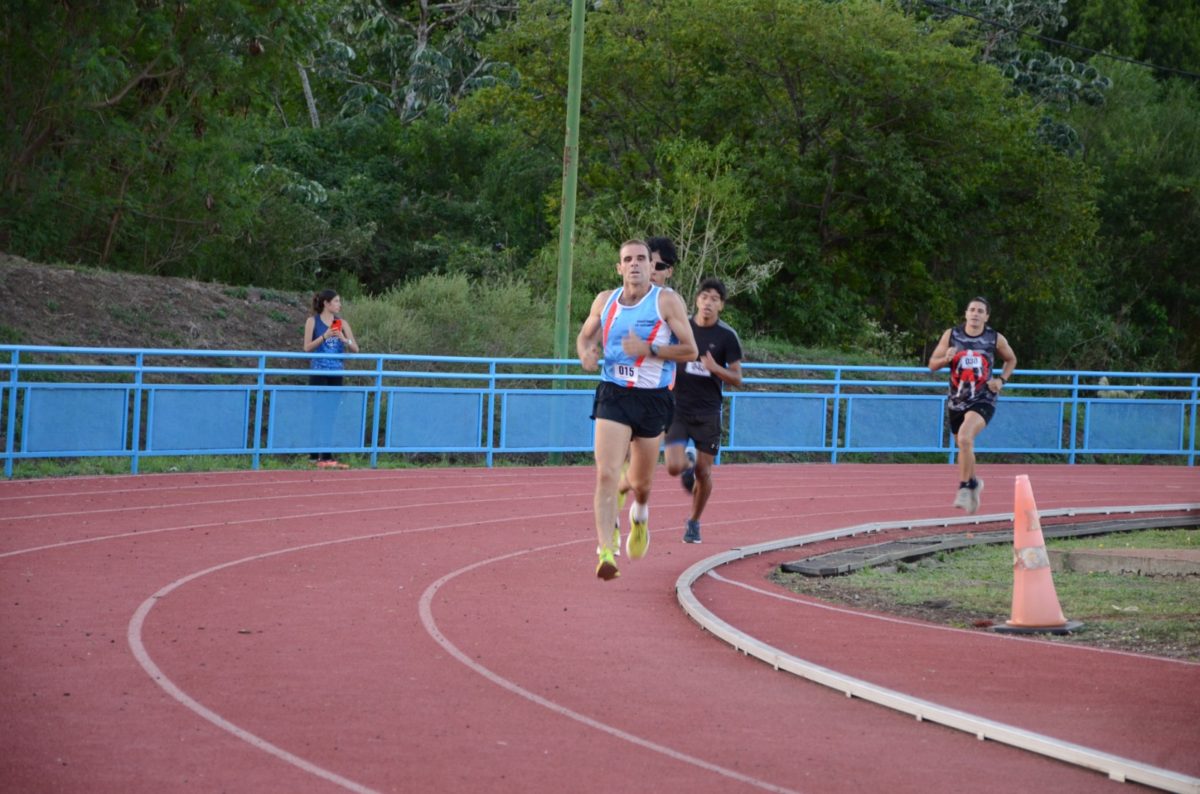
1034,602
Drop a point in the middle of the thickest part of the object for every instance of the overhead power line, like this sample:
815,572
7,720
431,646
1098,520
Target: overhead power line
1050,40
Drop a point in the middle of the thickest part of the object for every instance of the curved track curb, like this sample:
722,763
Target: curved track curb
1115,767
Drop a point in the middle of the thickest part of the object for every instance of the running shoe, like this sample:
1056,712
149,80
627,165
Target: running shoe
962,500
639,536
688,477
692,534
975,492
606,569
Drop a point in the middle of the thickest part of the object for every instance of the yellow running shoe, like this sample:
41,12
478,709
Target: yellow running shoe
639,536
606,569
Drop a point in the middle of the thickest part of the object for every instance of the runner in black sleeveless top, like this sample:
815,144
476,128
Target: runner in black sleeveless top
970,350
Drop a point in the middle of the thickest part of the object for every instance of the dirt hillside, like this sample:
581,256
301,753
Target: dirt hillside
85,307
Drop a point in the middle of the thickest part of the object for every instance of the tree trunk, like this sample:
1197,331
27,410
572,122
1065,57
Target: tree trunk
114,222
313,116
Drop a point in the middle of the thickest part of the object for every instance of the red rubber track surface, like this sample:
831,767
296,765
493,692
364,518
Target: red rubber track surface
442,630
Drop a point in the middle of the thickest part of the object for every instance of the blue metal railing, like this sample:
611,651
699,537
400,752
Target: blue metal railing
77,402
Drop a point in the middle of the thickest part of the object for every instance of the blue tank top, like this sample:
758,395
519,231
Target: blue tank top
971,367
333,346
645,320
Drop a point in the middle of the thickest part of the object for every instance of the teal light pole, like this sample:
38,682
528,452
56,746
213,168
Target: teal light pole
566,231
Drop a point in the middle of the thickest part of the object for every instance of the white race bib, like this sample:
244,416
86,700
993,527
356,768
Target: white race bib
626,372
697,368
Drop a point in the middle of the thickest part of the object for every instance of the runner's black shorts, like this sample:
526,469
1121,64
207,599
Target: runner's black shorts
705,431
986,410
647,411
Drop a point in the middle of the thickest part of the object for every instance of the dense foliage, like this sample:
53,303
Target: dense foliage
854,169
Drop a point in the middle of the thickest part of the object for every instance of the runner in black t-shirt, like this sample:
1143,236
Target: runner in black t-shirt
698,398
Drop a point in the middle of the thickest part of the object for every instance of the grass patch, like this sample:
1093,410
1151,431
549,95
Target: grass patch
1143,614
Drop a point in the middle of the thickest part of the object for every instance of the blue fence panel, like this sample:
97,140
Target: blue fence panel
764,422
435,420
72,402
317,419
1146,426
1025,424
75,419
894,423
197,419
546,421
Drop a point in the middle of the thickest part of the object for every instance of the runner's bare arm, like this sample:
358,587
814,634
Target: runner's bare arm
943,354
588,341
1005,351
673,310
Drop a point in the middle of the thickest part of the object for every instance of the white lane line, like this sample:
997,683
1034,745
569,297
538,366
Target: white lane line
342,494
137,646
267,519
430,624
257,479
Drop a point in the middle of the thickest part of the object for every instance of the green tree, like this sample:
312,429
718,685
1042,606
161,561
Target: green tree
1147,144
700,203
123,141
891,174
1165,33
1007,34
439,196
407,58
455,315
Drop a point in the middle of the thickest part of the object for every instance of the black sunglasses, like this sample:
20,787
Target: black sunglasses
660,265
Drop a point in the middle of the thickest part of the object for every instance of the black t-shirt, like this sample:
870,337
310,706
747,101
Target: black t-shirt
698,391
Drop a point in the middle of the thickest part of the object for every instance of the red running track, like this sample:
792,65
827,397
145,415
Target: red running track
442,630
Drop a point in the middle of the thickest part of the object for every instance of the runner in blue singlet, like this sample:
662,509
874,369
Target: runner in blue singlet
640,330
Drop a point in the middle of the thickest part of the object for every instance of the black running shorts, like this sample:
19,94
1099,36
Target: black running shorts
647,411
705,431
986,410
